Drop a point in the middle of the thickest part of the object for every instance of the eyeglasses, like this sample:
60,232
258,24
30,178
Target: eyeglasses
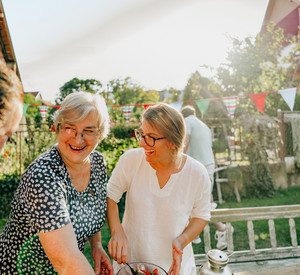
85,134
150,141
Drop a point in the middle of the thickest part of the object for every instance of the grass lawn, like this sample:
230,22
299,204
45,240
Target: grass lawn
283,197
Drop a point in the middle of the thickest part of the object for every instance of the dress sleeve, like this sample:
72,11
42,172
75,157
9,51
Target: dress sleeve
122,175
43,197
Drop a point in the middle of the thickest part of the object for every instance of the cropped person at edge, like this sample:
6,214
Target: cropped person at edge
11,103
168,197
60,203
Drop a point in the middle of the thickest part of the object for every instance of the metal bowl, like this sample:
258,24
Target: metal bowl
125,270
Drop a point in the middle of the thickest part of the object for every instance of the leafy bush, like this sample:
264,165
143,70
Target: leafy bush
8,186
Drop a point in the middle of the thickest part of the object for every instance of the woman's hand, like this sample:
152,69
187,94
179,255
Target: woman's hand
177,257
101,260
118,246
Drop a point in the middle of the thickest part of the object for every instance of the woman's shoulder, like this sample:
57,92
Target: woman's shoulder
194,164
133,153
48,163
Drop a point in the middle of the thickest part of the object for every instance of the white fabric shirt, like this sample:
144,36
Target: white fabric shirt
154,217
200,143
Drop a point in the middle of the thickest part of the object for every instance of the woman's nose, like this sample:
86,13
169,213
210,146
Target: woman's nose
142,142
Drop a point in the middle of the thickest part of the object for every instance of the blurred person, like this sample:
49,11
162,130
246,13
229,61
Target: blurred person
11,103
198,145
60,203
167,200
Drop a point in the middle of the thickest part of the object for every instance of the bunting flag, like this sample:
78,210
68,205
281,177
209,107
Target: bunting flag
177,105
147,105
25,107
289,96
127,109
43,111
230,103
202,105
259,100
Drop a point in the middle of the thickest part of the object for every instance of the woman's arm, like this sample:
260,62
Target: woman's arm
193,229
117,245
62,250
101,259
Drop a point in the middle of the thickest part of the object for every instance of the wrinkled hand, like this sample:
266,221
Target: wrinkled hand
118,247
177,257
101,260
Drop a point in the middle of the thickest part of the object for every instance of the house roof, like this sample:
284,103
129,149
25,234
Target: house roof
7,52
285,14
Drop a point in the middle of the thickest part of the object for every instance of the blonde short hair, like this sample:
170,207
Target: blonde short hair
169,121
80,104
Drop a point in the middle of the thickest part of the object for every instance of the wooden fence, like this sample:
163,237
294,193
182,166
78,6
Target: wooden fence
270,213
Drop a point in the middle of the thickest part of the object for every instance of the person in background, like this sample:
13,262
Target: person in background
198,145
60,203
11,103
167,200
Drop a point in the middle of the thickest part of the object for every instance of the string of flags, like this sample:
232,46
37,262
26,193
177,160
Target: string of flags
230,103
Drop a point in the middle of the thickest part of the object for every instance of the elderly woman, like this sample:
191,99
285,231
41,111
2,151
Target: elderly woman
11,103
168,196
60,203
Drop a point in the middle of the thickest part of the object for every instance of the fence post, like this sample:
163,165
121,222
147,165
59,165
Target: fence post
282,138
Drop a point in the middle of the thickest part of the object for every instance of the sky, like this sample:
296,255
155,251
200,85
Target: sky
158,43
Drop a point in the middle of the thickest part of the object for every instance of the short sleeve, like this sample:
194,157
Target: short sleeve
42,196
123,173
202,206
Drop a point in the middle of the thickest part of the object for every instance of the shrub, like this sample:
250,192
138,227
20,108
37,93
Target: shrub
8,186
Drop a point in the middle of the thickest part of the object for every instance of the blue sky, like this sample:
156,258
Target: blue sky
159,43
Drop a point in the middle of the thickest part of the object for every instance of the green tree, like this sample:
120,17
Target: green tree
127,92
78,85
33,113
198,88
261,64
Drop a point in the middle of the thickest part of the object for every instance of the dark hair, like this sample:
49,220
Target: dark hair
11,90
188,111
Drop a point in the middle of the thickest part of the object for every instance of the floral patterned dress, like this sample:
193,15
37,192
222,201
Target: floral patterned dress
44,201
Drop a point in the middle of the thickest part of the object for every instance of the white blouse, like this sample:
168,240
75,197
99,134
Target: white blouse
154,217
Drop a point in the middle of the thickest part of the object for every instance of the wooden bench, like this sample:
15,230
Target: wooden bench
227,216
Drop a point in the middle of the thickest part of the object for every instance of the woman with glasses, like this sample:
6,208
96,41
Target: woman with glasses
60,203
167,197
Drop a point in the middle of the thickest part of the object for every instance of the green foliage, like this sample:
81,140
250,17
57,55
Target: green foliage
8,186
33,113
259,134
260,64
78,85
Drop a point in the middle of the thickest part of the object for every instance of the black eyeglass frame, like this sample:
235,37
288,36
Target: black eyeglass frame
139,135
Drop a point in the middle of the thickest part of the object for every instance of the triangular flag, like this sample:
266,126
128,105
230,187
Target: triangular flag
127,109
147,105
289,96
177,105
259,100
25,107
202,105
230,103
43,111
